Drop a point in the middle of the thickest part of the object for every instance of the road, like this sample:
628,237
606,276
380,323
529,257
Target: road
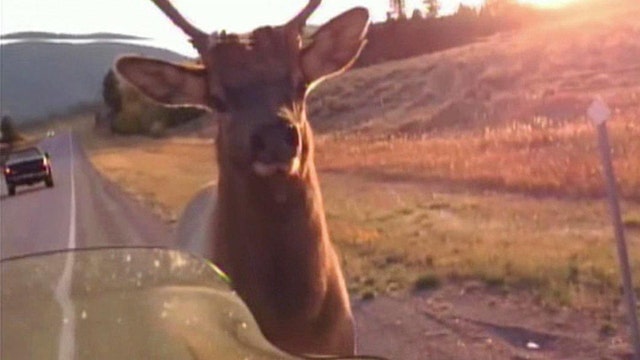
82,210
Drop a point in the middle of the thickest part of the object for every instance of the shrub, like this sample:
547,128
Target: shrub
135,114
111,92
141,116
181,115
427,282
128,119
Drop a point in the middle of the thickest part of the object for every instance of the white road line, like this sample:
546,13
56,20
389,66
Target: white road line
66,348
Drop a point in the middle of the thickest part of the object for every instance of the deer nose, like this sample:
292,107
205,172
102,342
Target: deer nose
276,143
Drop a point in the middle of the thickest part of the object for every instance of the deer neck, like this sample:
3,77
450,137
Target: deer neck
272,240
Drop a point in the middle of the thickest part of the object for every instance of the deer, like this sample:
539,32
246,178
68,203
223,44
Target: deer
265,224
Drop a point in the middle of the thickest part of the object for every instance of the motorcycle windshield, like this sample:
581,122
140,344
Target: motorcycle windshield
124,304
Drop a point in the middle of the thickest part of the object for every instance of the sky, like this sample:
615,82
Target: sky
142,18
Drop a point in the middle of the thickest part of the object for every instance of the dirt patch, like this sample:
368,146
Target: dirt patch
470,321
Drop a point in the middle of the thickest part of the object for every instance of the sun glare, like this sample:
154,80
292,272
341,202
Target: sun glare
548,3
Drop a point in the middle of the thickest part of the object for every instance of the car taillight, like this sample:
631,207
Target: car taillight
7,171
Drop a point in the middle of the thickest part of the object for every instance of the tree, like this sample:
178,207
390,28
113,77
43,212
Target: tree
9,135
416,15
432,8
9,132
498,7
466,12
111,92
398,8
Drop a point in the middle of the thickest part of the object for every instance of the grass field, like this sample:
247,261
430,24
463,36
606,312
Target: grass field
474,163
399,226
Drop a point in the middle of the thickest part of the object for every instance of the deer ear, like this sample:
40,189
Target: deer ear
164,82
335,46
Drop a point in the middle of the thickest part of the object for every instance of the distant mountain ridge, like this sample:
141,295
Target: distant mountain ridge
40,35
40,78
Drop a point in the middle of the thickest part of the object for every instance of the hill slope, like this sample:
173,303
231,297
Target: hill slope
39,78
41,35
550,73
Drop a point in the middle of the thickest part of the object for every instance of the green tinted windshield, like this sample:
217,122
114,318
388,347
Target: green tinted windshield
124,304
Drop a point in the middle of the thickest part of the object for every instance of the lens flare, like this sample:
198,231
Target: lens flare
548,3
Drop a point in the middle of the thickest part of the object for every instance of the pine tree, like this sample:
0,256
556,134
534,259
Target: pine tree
398,8
432,8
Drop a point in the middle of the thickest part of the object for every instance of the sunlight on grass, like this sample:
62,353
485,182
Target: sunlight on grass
549,3
533,158
163,174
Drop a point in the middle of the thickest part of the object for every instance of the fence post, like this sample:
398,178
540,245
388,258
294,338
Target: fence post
599,113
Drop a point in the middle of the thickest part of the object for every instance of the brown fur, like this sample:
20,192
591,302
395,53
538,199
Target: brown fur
282,262
269,229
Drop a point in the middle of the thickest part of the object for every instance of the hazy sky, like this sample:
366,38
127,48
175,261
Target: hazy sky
140,17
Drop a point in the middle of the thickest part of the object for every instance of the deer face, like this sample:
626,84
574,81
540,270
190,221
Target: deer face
262,94
259,83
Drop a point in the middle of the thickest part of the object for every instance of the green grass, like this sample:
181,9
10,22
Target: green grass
559,250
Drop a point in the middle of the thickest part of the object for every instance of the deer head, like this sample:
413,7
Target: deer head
259,82
268,208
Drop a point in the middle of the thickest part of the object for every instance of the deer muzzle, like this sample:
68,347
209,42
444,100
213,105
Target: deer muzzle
276,150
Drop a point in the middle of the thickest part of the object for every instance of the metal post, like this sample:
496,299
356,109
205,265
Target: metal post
616,217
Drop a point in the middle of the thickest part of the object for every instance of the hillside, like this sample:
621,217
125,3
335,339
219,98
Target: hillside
39,78
41,35
548,73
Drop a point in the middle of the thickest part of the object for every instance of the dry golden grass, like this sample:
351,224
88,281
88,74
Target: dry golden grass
164,174
537,158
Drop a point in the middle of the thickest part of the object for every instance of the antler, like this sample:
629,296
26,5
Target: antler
300,20
198,37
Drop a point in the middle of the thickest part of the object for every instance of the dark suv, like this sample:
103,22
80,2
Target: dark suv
26,167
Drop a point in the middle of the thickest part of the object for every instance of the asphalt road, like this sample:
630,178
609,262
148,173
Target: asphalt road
119,303
82,209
